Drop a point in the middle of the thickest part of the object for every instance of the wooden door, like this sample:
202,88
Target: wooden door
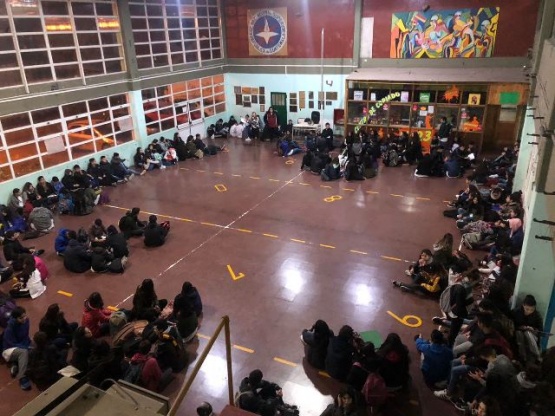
278,101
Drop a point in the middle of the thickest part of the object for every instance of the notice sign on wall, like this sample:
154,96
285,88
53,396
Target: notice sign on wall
267,31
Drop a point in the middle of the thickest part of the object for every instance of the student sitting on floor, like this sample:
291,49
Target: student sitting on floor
170,350
95,316
41,220
130,225
331,171
16,345
146,304
430,282
185,318
528,325
339,357
436,357
150,375
155,234
103,260
317,340
189,293
77,257
61,241
117,242
97,233
29,283
45,360
395,362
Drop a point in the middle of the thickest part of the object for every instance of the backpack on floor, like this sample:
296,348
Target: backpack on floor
118,319
391,159
133,373
374,390
7,305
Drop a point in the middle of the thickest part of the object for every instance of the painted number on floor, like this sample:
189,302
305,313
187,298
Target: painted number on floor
220,187
405,320
333,198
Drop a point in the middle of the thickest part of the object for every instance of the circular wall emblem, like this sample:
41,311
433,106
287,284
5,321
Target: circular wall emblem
267,31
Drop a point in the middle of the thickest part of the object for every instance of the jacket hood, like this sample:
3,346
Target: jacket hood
139,358
62,232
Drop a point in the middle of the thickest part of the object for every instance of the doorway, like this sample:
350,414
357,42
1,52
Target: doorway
278,101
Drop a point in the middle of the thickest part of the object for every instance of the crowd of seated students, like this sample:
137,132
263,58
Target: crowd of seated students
372,375
147,358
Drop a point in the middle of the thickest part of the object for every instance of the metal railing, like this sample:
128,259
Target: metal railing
224,324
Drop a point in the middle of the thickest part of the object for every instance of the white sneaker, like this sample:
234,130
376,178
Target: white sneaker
408,272
442,394
162,166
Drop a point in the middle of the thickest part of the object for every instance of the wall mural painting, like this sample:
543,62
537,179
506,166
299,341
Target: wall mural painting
463,33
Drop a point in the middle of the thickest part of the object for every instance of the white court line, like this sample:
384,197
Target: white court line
221,230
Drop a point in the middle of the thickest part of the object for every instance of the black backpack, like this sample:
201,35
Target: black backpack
133,373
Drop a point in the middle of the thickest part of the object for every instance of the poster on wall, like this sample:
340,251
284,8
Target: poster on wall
462,33
267,31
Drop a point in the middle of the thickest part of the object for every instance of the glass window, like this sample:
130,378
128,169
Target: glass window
378,116
356,112
471,119
451,113
423,116
378,92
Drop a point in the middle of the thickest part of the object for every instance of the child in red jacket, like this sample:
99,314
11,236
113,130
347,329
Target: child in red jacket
95,316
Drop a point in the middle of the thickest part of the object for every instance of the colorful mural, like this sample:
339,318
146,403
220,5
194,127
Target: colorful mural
463,33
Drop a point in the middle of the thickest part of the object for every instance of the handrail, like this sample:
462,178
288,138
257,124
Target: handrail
224,324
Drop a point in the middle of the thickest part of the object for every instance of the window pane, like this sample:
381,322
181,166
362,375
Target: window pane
108,38
94,68
205,55
159,48
98,104
154,11
142,49
117,100
82,9
49,129
158,35
46,114
87,39
10,78
140,37
54,8
161,60
136,10
14,121
54,159
61,40
82,23
113,52
35,58
144,62
68,55
18,137
177,58
138,24
114,66
104,9
38,74
5,173
31,42
67,71
8,60
27,25
74,109
91,54
6,43
27,167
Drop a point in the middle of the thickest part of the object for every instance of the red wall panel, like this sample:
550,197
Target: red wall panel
515,33
305,20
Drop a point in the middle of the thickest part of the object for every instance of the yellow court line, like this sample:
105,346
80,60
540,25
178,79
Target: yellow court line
358,252
202,336
274,180
349,189
244,230
61,292
236,175
422,199
210,224
297,241
186,220
326,246
184,169
282,361
112,308
372,192
200,170
324,374
391,258
217,173
325,186
254,177
397,195
305,184
245,349
270,235
447,201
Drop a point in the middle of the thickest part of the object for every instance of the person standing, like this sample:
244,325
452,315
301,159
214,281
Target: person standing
272,124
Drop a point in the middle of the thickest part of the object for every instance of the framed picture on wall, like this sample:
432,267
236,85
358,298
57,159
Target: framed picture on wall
237,90
238,99
254,99
311,104
246,100
474,99
262,99
262,108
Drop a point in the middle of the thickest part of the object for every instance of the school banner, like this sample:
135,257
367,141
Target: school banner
267,31
462,33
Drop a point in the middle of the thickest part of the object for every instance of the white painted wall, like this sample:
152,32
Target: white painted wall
287,84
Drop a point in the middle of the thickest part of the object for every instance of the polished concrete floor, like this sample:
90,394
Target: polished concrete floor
275,249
